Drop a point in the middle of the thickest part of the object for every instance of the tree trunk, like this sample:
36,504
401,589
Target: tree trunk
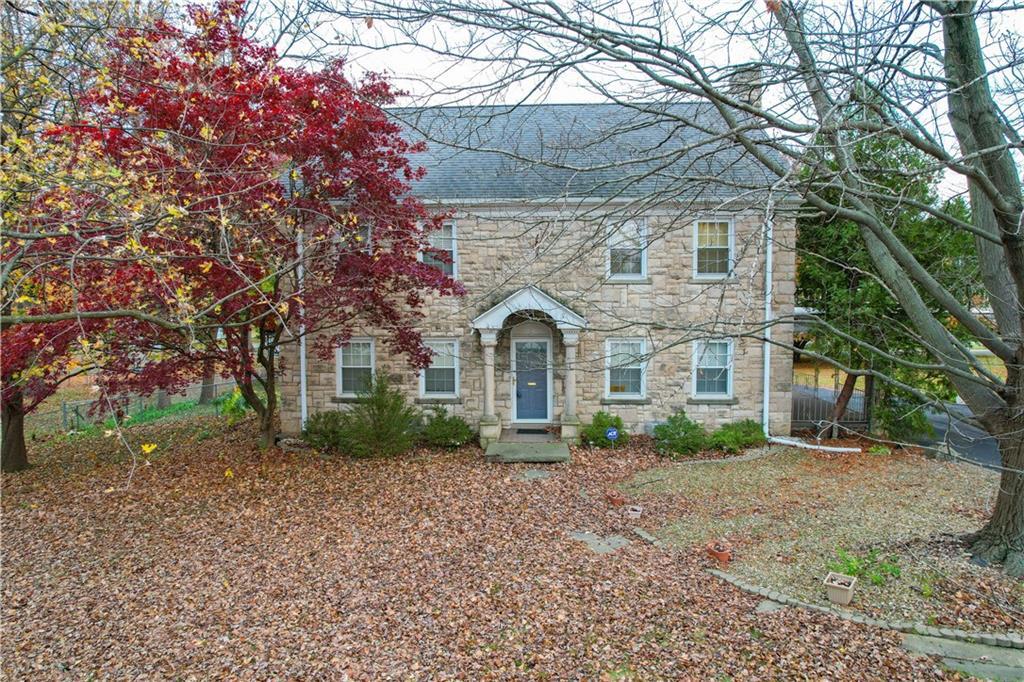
163,400
267,426
206,391
1002,538
843,399
14,456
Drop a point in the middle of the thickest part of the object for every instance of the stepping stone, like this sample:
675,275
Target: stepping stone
598,544
527,452
769,606
533,475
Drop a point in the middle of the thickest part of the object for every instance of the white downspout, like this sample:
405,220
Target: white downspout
769,281
300,272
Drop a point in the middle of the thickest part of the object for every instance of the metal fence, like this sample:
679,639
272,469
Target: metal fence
78,415
814,400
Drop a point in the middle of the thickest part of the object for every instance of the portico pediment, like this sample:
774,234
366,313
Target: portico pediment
530,298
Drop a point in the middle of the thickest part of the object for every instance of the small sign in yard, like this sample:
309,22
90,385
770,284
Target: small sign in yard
611,433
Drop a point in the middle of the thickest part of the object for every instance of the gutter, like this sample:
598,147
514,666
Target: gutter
766,376
796,443
300,272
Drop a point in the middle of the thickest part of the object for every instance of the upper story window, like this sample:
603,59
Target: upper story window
625,371
354,366
712,369
443,240
441,379
712,252
627,250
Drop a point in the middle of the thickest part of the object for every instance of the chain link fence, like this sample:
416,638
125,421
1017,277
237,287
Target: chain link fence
79,415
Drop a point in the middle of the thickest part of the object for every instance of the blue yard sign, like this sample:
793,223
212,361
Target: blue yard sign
611,433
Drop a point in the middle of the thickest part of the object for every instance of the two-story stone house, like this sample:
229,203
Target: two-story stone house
613,260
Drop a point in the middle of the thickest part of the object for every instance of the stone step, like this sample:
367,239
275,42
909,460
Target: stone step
511,453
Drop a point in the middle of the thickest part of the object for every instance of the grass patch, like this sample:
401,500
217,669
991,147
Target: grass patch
792,516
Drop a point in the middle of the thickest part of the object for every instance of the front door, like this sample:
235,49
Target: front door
530,365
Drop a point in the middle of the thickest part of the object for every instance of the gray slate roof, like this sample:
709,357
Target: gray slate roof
550,151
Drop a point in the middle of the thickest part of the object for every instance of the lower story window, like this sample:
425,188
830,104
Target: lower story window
712,373
441,379
625,373
354,362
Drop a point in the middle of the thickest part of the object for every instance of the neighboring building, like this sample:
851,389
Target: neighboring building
597,277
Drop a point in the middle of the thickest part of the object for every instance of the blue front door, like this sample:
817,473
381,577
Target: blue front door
531,358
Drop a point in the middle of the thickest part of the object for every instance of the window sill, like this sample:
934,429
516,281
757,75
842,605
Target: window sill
345,399
713,280
438,401
712,401
628,280
625,401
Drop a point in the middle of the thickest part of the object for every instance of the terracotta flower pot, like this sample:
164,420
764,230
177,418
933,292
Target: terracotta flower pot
615,498
840,588
720,550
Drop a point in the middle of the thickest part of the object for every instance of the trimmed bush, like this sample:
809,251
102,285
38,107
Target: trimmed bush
738,436
381,423
446,431
680,436
594,432
325,430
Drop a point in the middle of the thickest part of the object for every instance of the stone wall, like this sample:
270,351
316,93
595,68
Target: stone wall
502,250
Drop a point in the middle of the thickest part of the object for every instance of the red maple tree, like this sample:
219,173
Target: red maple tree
249,157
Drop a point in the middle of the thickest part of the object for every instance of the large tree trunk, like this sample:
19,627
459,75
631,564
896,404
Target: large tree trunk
206,395
14,456
1002,538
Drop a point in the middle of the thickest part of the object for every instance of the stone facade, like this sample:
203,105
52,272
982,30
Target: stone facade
500,250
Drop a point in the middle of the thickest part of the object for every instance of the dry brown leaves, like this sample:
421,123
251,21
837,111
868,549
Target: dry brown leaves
429,566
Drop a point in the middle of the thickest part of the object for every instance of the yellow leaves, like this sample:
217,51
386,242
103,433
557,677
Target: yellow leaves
24,299
148,448
205,267
228,473
175,211
206,132
314,104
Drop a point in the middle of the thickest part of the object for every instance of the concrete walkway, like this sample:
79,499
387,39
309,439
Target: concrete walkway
509,453
978,660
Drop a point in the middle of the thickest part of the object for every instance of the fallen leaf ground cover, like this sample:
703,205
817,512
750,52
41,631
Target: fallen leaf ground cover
221,561
789,514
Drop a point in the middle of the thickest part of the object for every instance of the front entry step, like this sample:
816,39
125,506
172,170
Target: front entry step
509,453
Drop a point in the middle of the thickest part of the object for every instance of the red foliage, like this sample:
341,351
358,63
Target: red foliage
251,153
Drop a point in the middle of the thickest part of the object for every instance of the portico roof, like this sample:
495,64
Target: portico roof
530,298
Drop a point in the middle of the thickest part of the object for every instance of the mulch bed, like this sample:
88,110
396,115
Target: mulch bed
219,561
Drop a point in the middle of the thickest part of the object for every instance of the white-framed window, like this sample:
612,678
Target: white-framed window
354,362
713,249
444,240
712,368
625,368
627,250
441,379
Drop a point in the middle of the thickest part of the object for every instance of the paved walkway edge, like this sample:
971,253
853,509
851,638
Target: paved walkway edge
1010,640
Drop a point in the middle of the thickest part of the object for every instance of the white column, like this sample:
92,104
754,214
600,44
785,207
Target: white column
570,339
489,339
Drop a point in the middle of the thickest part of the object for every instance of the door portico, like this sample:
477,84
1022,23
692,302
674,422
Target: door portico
489,325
